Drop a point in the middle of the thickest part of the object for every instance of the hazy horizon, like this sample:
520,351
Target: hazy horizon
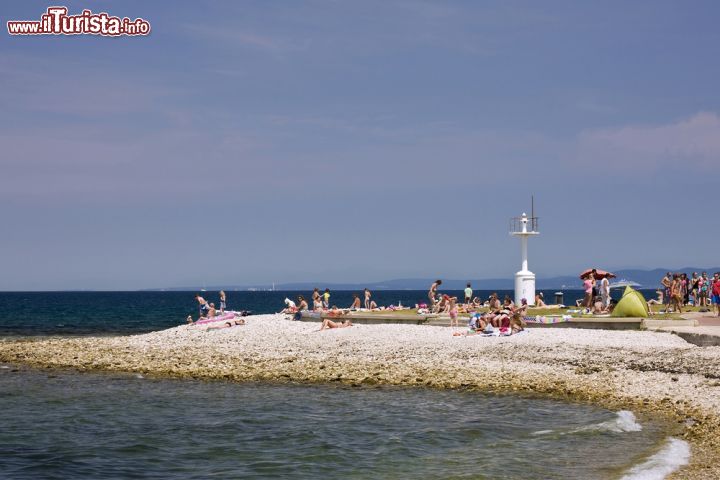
245,143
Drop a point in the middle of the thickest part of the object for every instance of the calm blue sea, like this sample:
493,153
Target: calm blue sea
61,425
112,313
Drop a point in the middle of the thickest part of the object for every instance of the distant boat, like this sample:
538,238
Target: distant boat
622,283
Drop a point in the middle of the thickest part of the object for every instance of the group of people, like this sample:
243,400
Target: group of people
501,314
207,309
597,293
679,290
321,302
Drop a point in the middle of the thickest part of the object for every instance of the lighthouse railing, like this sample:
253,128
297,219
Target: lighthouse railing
516,224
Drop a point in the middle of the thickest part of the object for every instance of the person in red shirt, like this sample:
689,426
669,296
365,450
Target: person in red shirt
716,293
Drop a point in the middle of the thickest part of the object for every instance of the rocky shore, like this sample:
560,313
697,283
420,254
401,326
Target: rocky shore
649,373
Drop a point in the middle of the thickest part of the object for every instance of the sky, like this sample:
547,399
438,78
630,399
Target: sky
258,141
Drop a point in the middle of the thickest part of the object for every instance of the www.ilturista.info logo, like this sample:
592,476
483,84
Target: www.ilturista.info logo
57,22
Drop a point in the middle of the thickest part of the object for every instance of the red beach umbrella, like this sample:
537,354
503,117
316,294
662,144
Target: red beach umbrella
599,274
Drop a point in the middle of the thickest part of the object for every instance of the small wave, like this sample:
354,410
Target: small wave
139,376
672,456
624,421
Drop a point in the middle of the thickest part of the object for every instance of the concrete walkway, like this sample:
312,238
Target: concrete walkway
705,332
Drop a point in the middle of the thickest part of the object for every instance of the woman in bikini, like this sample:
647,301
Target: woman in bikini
302,303
676,293
317,302
432,293
327,323
368,294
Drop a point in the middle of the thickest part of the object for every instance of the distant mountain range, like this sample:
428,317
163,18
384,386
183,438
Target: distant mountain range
646,278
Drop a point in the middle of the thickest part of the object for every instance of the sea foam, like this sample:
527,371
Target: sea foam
624,421
673,455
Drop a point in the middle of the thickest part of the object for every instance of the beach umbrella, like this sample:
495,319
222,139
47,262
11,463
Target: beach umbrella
600,274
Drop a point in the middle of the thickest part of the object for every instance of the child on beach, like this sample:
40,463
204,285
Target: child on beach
326,299
453,311
468,293
368,294
223,305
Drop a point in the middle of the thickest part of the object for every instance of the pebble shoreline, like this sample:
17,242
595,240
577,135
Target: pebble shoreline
647,372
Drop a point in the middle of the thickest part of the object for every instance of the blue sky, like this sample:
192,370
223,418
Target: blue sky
248,142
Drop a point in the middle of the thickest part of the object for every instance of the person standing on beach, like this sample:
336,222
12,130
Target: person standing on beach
432,293
588,285
605,292
368,294
223,305
326,298
704,288
694,288
676,293
317,302
468,293
203,304
666,282
716,293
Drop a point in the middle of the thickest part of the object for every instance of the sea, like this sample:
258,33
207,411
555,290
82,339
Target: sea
124,313
60,424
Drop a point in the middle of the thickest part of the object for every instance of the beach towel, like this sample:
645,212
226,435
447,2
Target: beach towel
548,320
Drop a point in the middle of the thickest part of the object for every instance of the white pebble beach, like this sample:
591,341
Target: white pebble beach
647,372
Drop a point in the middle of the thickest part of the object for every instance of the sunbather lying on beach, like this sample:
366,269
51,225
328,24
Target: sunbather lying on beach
335,311
227,324
327,323
508,325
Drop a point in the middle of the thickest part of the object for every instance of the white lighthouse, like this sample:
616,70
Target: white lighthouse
524,279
